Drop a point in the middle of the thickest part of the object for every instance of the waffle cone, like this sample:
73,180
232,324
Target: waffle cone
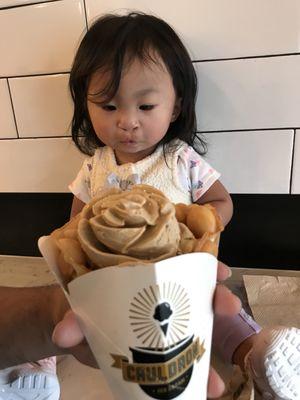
205,226
199,228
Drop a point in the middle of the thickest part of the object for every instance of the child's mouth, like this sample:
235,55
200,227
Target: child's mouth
128,142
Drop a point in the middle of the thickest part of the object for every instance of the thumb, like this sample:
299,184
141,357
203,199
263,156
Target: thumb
67,332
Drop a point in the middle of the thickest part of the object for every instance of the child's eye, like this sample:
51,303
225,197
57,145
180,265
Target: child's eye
109,107
146,107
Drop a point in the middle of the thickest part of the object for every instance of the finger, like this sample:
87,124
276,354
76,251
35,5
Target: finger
215,386
67,332
223,272
225,302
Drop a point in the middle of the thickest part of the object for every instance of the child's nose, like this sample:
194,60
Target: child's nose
127,121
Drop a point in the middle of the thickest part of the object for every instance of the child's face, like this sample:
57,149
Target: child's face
139,115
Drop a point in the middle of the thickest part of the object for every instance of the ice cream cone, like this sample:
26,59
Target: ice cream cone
148,321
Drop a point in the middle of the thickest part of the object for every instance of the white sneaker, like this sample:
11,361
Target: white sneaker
30,382
274,363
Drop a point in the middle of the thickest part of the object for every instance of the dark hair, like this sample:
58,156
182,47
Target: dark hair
136,35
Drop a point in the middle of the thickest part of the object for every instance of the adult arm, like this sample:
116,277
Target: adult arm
27,318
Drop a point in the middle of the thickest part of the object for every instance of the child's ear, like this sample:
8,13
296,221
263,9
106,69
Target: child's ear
177,109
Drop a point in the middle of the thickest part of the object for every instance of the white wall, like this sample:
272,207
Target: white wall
246,55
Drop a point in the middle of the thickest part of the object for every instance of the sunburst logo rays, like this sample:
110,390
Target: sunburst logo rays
159,315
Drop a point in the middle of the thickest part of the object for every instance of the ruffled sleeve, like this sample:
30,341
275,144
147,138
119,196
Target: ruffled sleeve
194,173
81,186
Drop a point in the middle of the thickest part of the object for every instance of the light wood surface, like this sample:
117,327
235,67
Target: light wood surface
78,381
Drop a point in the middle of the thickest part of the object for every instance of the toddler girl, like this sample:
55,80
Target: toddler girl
134,91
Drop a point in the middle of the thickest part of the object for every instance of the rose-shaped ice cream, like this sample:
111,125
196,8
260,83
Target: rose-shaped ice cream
136,226
124,227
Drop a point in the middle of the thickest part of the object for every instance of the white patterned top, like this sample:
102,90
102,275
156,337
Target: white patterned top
183,175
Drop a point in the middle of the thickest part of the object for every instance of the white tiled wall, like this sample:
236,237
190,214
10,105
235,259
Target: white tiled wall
15,3
42,105
247,59
40,38
253,162
7,124
44,165
249,93
214,29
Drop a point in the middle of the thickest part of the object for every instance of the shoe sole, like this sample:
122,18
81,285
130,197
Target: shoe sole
31,387
282,365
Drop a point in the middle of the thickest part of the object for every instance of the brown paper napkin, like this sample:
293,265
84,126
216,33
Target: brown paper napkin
274,300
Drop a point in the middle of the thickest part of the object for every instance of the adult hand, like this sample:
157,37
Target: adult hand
67,333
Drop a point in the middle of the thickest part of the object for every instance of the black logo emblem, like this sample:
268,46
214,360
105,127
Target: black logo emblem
163,363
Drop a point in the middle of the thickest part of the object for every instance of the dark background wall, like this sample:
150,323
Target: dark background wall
264,231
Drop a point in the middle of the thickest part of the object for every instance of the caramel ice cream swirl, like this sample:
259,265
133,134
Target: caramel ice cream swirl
120,227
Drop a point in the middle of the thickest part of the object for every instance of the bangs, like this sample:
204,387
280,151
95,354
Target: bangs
118,62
